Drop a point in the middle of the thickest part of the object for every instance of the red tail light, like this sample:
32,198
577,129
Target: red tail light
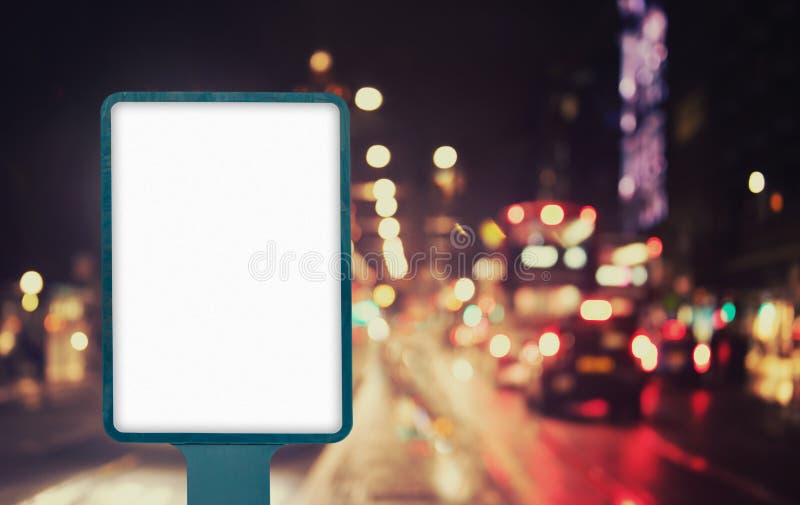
702,358
515,214
673,329
549,343
654,247
588,214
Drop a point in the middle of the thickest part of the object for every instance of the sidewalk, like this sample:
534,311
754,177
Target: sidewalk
149,474
32,393
48,432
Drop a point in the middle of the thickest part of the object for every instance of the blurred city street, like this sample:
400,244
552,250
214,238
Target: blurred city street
573,254
423,434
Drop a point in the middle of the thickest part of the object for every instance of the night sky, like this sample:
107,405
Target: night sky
486,80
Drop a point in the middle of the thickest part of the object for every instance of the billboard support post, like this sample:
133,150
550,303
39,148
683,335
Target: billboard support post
231,473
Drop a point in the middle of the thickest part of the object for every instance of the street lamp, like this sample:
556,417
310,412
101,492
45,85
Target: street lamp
445,157
31,282
320,62
756,182
368,98
378,156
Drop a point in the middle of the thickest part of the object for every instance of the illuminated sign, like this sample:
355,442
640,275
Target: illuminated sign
643,166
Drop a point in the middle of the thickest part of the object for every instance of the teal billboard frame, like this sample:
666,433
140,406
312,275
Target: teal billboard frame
270,439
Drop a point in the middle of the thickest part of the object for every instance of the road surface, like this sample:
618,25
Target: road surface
430,428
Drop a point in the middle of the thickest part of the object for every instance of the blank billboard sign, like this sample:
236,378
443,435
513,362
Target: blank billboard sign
226,314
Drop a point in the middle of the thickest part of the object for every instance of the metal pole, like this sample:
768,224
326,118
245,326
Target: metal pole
227,474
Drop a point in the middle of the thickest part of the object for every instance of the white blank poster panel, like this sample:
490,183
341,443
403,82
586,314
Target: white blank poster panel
200,343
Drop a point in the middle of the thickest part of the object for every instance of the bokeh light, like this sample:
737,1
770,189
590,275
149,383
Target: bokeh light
320,62
31,282
389,227
627,122
386,207
638,275
487,303
701,357
630,254
575,257
378,156
488,269
776,202
462,369
368,98
472,315
445,157
383,295
728,312
529,352
685,314
491,234
451,302
649,358
654,247
464,289
499,345
498,314
383,188
364,312
588,213
756,182
549,344
395,258
627,87
53,322
539,256
552,214
515,214
30,302
595,310
378,329
766,323
674,329
613,275
79,341
640,345
462,335
626,187
7,342
446,181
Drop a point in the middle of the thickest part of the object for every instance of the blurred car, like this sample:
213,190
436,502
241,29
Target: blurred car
684,360
675,344
604,360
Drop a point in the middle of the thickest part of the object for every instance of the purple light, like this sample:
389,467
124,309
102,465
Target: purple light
643,165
